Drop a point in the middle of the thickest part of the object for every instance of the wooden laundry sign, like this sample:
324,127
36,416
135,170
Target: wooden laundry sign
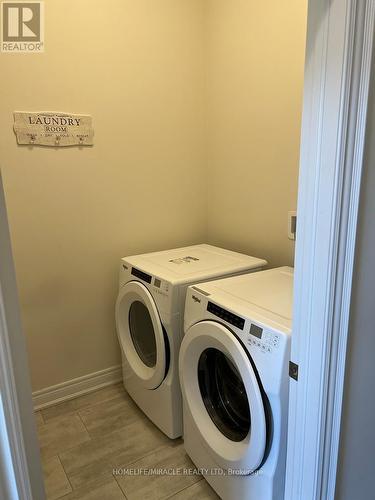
53,129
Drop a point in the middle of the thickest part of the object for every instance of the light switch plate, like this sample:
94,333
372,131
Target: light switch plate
292,225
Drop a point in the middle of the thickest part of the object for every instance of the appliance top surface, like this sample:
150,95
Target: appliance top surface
269,293
194,263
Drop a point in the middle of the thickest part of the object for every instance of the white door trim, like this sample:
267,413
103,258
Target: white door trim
337,75
13,456
20,468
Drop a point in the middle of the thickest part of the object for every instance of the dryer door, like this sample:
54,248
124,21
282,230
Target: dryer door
141,334
221,391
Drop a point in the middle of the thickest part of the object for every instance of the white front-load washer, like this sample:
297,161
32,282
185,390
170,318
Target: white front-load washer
234,380
149,321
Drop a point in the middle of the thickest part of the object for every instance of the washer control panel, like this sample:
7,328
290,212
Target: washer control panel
226,315
265,341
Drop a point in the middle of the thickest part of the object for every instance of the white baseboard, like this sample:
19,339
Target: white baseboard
76,387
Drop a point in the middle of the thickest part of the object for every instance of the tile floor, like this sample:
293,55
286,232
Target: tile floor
84,439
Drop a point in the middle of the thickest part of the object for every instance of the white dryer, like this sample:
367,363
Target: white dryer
234,380
149,321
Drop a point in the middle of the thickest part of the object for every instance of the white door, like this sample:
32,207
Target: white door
141,334
221,390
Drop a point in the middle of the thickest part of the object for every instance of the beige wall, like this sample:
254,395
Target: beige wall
254,88
136,66
178,90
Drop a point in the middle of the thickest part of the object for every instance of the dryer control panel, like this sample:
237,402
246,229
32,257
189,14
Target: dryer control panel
163,292
160,286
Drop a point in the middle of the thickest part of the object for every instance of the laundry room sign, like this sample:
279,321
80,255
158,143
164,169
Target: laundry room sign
53,129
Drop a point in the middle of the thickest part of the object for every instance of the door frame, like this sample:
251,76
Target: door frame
337,75
20,466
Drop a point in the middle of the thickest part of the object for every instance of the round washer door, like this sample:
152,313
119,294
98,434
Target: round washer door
141,334
222,393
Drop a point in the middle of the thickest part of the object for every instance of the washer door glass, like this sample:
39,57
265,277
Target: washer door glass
224,394
142,333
